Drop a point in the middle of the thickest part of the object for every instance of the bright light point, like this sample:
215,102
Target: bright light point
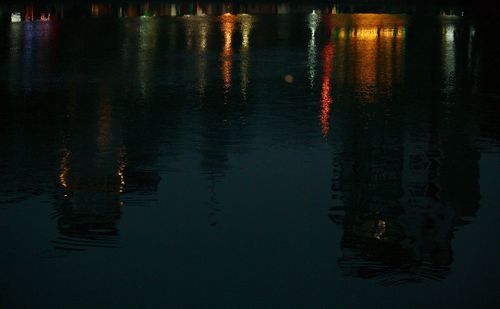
15,17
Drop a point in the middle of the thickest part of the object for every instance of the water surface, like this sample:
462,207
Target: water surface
249,160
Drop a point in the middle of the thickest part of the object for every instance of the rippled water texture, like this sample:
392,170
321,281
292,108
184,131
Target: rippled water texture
249,160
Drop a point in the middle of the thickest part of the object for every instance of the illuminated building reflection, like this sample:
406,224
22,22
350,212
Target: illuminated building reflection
246,23
401,190
373,44
228,22
91,179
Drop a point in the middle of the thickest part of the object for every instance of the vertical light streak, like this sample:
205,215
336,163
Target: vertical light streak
227,27
326,98
246,26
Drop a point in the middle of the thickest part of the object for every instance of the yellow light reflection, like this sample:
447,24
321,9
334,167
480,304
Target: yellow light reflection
227,27
342,33
203,27
246,26
121,171
64,171
326,99
380,230
374,43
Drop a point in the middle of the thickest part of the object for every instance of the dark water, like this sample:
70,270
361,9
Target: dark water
250,161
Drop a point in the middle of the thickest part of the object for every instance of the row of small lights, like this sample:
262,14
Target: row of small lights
16,17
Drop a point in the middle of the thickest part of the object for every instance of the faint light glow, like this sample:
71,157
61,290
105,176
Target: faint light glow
146,10
15,51
104,134
342,33
15,17
64,171
326,99
121,171
30,14
246,27
148,33
94,10
380,230
199,10
472,33
283,8
131,10
289,78
202,30
173,10
188,25
227,27
334,9
44,17
29,37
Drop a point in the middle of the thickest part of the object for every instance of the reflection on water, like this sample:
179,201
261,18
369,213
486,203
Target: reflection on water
404,108
228,23
247,22
313,22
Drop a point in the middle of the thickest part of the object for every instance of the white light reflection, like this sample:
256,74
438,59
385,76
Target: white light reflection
15,44
148,32
313,21
15,17
448,56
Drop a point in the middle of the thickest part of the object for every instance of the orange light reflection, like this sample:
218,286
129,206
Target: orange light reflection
228,22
